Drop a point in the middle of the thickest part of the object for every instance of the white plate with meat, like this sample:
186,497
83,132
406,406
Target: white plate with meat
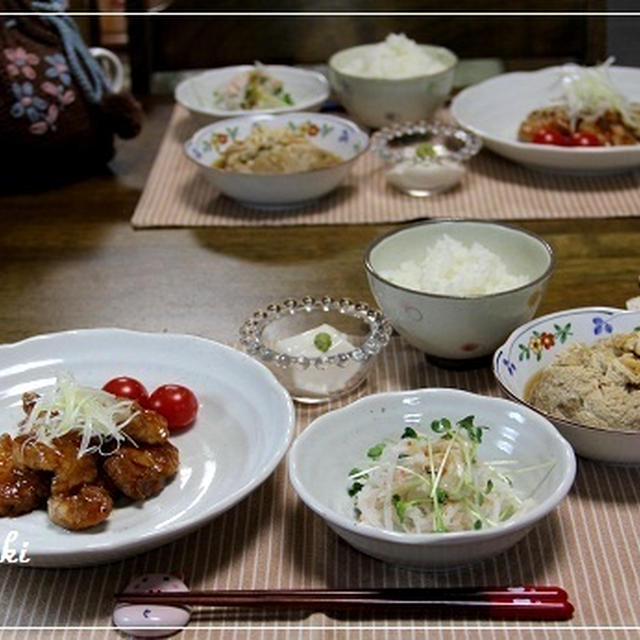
496,108
243,427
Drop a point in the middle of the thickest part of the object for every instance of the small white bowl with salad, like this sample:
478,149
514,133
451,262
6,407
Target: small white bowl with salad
251,89
569,118
431,478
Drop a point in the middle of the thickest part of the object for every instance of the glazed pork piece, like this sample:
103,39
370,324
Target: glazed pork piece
549,118
148,427
85,507
21,490
76,501
609,128
60,458
141,472
596,385
79,482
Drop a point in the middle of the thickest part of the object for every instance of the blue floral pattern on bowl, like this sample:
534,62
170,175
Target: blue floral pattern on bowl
535,344
601,326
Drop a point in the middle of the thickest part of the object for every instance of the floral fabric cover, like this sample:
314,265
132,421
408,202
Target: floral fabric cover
47,126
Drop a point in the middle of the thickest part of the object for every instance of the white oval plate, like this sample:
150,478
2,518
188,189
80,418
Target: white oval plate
495,108
308,89
244,426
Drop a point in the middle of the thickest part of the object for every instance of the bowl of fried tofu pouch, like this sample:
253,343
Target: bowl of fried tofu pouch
581,369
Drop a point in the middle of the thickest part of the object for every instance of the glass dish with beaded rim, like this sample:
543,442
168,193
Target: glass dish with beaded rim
319,348
425,158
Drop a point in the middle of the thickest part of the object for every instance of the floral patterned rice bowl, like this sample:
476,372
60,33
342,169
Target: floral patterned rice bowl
533,346
285,190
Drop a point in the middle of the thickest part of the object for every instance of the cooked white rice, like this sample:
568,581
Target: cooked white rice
451,268
396,57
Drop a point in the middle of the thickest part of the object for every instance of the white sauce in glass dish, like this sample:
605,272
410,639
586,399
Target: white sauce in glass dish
425,178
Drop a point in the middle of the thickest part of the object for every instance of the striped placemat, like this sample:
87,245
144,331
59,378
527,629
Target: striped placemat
589,545
176,195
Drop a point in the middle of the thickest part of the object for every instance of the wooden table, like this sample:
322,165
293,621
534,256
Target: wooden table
70,259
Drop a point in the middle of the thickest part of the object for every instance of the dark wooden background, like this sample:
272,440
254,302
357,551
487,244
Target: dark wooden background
163,42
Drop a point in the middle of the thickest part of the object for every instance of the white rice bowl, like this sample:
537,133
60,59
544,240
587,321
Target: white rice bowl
458,326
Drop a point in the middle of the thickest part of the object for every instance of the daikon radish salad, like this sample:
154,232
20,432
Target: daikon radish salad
434,482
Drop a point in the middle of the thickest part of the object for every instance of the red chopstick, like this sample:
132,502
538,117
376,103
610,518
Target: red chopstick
513,603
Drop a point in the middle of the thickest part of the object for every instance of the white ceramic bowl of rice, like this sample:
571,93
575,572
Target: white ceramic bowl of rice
523,446
455,289
393,81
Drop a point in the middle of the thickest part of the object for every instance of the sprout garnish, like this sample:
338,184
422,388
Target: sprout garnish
434,483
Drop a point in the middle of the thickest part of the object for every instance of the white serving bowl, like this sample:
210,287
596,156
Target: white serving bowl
378,102
322,456
524,354
459,328
308,89
278,190
495,108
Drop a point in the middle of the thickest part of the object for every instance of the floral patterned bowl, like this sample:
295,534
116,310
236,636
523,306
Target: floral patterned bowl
534,345
278,190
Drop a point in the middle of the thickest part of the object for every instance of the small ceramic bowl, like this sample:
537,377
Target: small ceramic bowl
278,190
534,345
318,348
452,329
322,456
378,102
308,90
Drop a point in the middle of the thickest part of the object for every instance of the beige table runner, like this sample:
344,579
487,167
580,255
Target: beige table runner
177,195
590,545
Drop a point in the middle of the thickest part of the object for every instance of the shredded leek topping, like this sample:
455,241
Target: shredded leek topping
96,415
434,482
589,92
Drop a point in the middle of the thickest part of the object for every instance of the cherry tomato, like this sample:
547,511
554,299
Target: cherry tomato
125,387
550,136
176,403
584,139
